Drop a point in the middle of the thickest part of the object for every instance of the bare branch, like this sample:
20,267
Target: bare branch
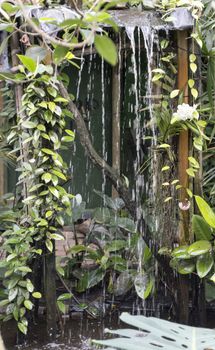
86,142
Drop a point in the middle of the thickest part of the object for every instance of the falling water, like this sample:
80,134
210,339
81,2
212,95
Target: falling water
130,32
104,153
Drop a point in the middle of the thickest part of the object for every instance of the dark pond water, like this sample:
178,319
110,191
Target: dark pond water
77,334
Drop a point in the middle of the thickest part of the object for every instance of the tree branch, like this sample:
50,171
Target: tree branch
86,142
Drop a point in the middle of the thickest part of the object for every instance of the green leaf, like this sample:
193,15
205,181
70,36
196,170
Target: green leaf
174,93
77,249
199,247
22,328
186,267
193,67
28,63
190,172
37,295
28,124
102,215
48,151
65,296
61,306
49,245
204,265
59,54
46,177
54,191
143,285
115,245
206,211
181,252
28,304
12,294
29,286
59,174
57,237
201,229
67,139
106,49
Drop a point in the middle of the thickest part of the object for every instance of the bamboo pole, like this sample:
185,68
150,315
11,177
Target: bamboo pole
183,153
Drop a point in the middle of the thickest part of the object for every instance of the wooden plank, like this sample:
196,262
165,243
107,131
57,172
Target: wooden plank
183,144
183,153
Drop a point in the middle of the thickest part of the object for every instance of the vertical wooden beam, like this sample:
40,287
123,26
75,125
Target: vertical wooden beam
183,145
183,153
50,293
116,119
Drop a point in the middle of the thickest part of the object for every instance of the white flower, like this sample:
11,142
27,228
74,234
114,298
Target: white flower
185,112
184,205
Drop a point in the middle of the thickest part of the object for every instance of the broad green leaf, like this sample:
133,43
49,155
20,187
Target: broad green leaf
204,265
28,63
201,229
143,285
206,211
106,49
186,267
199,247
181,252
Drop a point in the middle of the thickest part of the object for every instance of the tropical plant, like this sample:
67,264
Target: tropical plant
199,256
154,333
115,252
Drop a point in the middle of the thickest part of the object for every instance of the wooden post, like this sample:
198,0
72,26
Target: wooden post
50,293
183,154
116,114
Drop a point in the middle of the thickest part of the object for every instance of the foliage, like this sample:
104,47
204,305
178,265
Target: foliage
199,256
155,333
42,129
114,250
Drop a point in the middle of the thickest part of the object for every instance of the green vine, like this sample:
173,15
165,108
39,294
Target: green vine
42,131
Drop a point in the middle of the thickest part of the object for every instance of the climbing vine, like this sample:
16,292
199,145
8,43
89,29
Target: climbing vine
41,132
